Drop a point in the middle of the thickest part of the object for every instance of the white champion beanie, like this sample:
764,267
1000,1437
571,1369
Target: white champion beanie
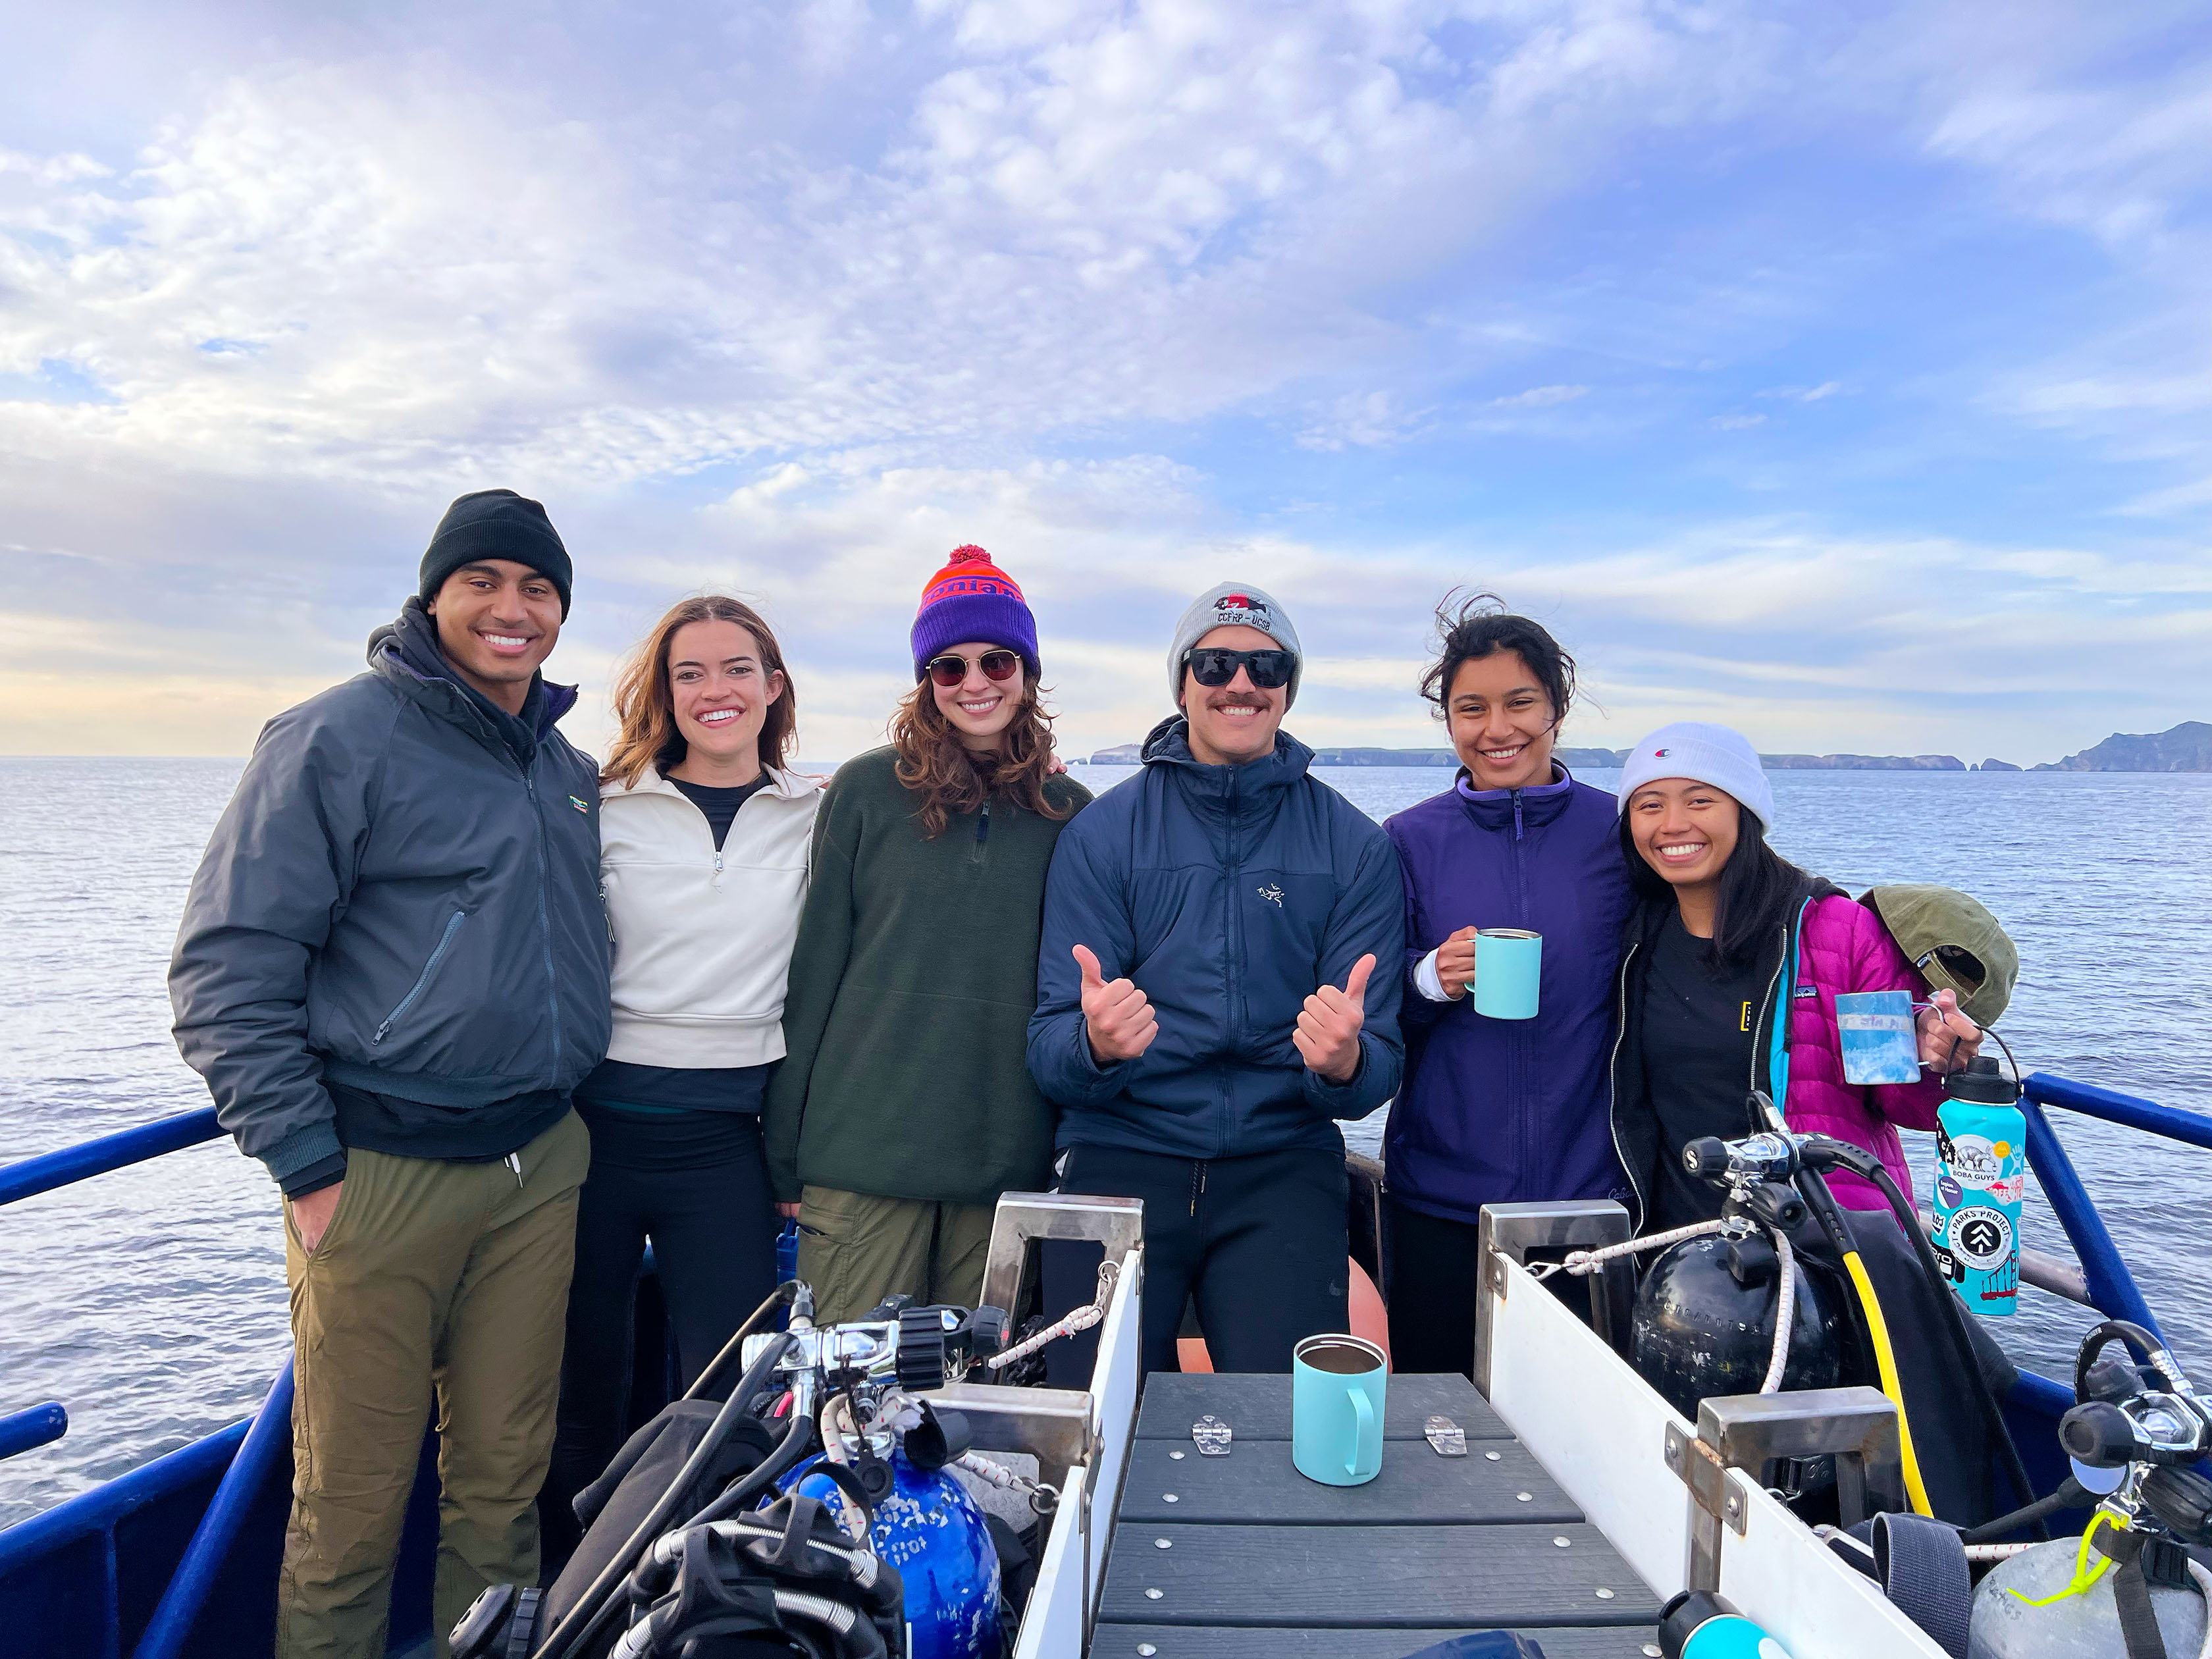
1705,754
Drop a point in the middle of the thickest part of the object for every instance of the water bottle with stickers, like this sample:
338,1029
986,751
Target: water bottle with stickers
1981,1172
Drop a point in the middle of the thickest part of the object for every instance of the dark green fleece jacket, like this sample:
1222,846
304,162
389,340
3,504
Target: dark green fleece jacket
906,1026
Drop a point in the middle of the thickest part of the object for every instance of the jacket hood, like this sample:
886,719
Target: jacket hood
1220,788
406,650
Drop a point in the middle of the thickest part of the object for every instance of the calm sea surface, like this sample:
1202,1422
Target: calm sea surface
151,1302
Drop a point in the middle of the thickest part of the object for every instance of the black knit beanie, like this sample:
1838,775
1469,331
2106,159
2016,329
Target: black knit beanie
495,524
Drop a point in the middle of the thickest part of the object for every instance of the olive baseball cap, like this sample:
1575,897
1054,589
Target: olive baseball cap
1954,942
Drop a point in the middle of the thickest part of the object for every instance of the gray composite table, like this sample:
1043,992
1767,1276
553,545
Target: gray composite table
1243,1558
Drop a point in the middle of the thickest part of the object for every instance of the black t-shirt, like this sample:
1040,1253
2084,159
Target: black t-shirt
1697,1035
721,805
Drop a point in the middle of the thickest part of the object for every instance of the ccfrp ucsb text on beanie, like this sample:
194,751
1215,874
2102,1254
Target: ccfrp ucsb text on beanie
1233,605
495,524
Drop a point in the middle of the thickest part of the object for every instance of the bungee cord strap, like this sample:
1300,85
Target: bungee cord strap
1081,1319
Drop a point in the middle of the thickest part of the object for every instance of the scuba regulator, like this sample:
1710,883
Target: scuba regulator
848,1537
2122,1589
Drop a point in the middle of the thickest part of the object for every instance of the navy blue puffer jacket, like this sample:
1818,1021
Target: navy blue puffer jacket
1228,894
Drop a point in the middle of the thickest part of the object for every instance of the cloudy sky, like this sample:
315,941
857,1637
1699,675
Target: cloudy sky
1845,372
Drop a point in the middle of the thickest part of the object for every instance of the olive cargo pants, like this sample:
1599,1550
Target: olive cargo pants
855,1249
434,1280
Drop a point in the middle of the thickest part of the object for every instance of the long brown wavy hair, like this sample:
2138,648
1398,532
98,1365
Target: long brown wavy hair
951,778
647,707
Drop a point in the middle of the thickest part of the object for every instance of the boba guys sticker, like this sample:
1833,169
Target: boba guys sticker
1976,1162
1981,1237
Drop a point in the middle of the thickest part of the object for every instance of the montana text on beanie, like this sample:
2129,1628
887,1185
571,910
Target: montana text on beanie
495,524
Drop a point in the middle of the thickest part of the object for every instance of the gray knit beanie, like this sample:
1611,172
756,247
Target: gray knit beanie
1233,605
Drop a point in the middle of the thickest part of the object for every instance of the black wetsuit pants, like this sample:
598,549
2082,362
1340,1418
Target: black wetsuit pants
700,1192
1258,1243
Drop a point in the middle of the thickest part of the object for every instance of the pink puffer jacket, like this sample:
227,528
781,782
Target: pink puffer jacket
1843,947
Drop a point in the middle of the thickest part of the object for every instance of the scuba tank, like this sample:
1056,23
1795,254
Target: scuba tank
1699,1624
2023,1609
1981,1170
934,1533
1704,1323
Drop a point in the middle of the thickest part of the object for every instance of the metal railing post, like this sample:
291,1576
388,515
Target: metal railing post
205,1556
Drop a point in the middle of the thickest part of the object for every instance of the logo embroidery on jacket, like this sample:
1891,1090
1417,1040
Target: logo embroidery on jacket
1273,893
579,803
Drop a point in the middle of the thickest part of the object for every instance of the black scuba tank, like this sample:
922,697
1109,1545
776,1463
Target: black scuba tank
1704,1323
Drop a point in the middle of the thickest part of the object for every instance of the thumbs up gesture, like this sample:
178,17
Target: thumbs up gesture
1327,1035
1117,1017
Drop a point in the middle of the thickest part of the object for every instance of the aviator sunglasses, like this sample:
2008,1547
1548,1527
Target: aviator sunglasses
1212,666
949,669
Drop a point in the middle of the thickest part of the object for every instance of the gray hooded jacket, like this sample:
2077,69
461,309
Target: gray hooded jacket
402,897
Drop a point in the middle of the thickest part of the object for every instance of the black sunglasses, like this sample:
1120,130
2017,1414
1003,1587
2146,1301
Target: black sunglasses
949,669
1212,666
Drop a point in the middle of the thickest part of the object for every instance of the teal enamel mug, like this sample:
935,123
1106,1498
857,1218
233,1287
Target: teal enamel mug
1509,968
1338,1385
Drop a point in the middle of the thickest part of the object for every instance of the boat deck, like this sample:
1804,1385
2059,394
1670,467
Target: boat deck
1242,1556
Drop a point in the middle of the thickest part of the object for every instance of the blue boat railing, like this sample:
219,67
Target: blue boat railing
186,1563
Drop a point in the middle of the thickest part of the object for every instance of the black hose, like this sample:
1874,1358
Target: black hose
795,1445
736,1345
2146,1344
1865,1165
2071,1494
585,1613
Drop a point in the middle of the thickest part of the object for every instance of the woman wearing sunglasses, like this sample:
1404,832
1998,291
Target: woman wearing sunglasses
1734,960
1496,1111
905,1107
703,839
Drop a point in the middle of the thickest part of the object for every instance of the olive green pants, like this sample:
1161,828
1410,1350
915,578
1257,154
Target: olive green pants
435,1282
855,1249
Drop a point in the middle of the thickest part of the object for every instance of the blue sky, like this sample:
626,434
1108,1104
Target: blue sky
1845,374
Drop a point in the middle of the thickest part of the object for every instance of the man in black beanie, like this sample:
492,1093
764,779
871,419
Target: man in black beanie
391,971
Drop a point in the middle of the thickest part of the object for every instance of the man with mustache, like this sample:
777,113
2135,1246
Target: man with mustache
1209,1003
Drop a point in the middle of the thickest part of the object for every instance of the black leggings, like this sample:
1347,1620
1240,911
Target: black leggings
1257,1243
1431,1290
713,1228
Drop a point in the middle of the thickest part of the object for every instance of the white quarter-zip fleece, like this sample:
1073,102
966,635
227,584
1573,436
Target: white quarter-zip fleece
702,938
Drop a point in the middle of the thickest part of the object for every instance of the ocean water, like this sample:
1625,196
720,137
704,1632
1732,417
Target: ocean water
151,1302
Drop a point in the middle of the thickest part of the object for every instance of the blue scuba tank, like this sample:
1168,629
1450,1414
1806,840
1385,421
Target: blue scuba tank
932,1532
1981,1172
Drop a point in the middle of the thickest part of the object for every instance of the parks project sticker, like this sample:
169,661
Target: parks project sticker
1981,1237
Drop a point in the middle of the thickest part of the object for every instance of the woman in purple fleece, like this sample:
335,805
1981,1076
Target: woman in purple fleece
1497,1110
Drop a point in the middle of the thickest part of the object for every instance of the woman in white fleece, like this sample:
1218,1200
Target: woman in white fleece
703,862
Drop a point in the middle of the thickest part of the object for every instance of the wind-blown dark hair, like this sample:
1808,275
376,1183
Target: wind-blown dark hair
1480,625
951,778
646,706
1759,892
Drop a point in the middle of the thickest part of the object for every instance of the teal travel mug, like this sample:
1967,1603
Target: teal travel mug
1509,967
1338,1386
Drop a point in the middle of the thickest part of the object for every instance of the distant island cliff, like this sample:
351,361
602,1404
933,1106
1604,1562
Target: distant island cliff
2186,748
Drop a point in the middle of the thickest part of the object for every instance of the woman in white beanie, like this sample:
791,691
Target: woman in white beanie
1734,960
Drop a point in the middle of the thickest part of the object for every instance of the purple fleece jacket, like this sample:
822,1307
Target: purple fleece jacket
1496,1111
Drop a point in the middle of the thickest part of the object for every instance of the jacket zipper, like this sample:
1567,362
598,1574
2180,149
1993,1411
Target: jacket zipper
545,924
1234,934
1521,1039
1613,1091
422,980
